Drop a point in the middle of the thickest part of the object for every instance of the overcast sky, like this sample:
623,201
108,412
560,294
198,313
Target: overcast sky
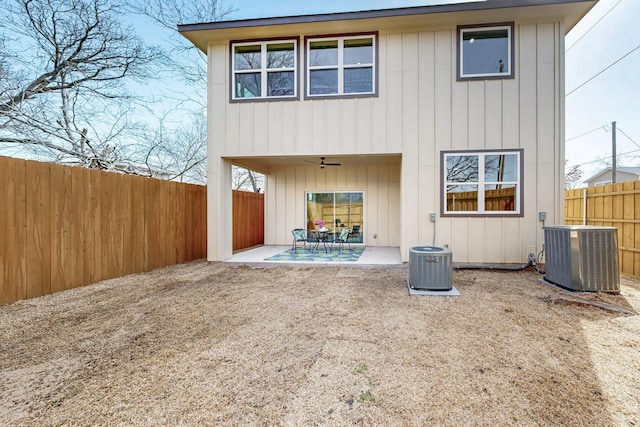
604,36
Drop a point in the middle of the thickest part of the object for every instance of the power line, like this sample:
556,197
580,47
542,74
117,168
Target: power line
591,28
586,133
628,137
605,69
604,158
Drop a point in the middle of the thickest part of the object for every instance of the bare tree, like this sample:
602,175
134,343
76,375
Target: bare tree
245,179
176,141
572,176
189,63
185,60
177,154
68,74
63,96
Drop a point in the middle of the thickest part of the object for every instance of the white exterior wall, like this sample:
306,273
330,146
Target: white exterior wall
285,201
420,111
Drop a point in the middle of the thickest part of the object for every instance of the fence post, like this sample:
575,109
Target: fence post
584,206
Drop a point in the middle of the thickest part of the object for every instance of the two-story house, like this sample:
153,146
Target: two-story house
423,125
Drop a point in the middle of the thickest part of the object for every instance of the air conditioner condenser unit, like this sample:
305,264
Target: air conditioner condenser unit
430,268
582,258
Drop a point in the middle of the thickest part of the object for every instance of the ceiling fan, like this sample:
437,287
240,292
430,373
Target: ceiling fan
323,164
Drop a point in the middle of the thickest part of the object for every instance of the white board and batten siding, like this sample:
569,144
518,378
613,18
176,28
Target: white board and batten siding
421,110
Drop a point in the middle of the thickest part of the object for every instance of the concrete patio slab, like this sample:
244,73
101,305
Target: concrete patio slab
387,257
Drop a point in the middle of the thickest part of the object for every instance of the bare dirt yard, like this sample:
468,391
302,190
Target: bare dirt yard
209,344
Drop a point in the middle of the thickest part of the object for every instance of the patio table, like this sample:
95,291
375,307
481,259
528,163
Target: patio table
323,237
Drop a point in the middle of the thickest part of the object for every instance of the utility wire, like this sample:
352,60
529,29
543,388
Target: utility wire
591,28
604,127
628,137
605,69
586,133
604,158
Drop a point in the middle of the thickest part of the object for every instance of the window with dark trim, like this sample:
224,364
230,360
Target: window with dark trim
485,52
264,69
341,66
484,183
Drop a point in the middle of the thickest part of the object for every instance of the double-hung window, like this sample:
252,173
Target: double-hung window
482,183
341,66
485,52
264,69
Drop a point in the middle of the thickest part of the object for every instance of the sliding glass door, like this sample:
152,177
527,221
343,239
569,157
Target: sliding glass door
337,210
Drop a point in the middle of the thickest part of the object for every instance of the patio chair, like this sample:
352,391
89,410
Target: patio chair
299,235
341,239
355,231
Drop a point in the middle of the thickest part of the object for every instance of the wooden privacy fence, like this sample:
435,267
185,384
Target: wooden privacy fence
248,219
613,205
63,227
349,214
502,199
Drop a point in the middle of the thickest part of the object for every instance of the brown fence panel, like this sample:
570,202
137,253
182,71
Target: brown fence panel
613,205
248,219
63,227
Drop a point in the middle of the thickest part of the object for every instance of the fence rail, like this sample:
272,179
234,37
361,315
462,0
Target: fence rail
63,227
612,205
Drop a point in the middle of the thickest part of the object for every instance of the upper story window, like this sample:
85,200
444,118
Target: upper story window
341,66
482,183
264,69
485,52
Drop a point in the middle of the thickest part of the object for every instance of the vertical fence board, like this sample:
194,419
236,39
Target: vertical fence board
624,211
126,219
6,256
13,231
75,237
94,223
199,215
59,188
138,185
173,224
153,248
189,235
38,211
83,179
636,228
181,218
164,220
111,255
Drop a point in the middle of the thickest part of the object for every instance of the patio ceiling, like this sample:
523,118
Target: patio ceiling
269,163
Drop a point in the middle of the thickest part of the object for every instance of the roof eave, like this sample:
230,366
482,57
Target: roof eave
201,33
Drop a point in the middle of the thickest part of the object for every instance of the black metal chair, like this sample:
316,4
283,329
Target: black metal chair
299,235
355,231
341,239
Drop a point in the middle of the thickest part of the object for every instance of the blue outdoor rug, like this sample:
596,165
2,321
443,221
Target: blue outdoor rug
319,255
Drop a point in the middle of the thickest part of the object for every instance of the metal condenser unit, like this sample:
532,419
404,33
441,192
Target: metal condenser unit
430,268
582,258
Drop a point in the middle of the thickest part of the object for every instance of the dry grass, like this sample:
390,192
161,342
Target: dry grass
206,344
